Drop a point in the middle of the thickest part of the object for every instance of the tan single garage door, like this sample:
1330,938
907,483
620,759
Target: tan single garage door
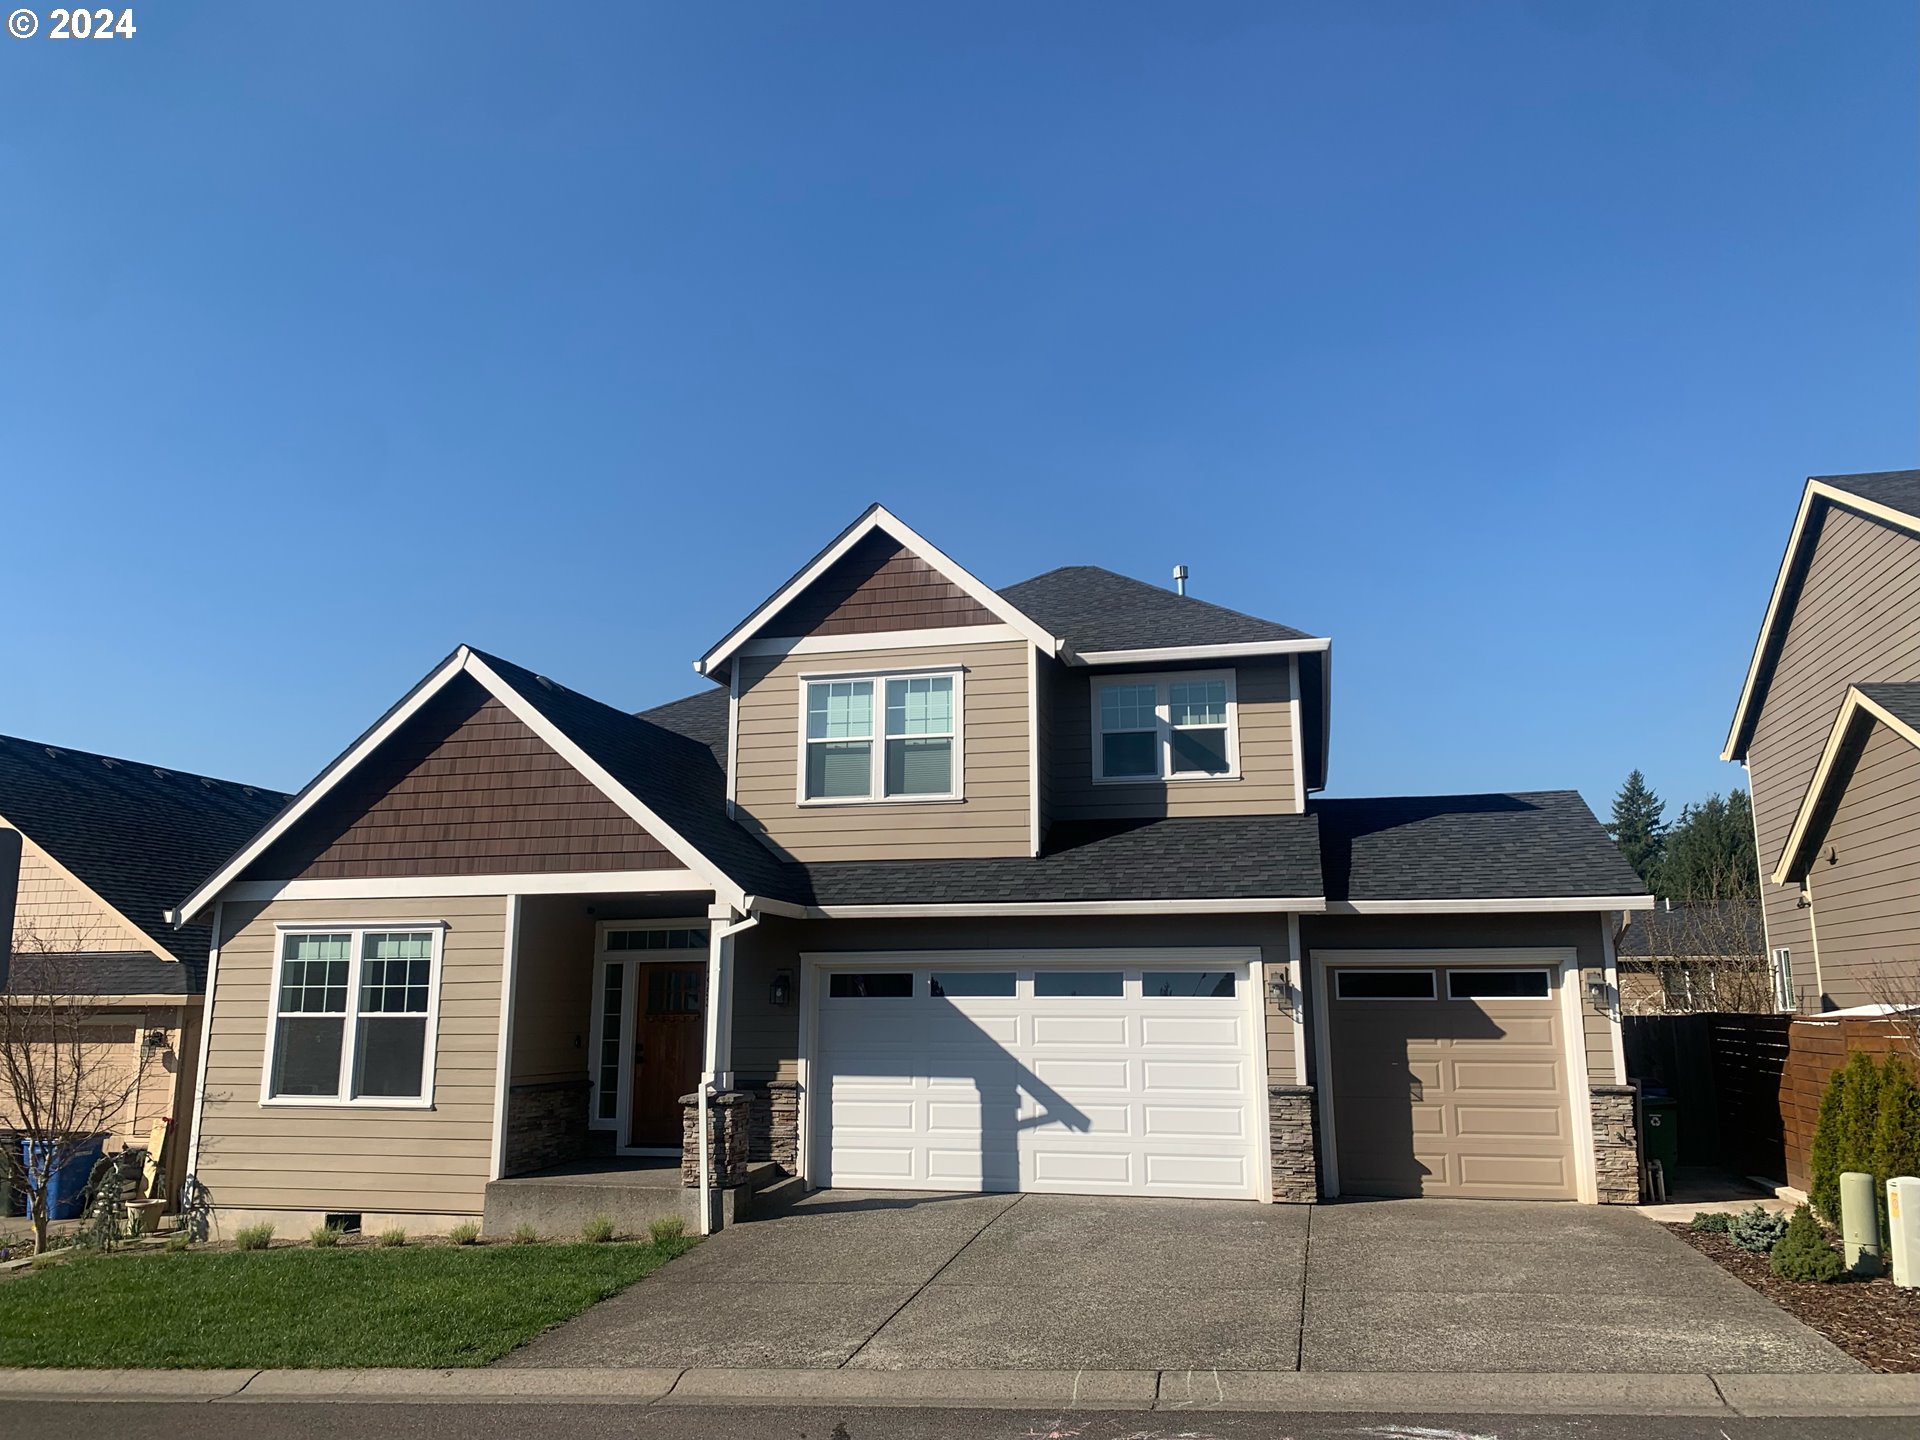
1450,1080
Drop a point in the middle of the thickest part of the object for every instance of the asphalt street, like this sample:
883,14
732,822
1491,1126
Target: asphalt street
676,1422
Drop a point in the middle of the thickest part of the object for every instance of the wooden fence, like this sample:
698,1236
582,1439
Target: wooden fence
1724,1073
1818,1048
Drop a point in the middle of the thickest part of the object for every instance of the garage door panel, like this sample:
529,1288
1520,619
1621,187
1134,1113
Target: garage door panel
1098,1094
1451,1097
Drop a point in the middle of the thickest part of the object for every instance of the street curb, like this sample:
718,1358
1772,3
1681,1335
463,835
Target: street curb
1303,1392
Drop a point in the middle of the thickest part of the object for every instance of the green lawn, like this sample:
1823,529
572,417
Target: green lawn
432,1307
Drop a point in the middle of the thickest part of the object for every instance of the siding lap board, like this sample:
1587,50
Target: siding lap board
353,1158
1857,620
1867,901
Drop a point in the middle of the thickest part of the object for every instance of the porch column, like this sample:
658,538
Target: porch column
717,1061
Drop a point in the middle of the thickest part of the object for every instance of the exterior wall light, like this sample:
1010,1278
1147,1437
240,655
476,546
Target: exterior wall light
1280,987
780,992
1598,995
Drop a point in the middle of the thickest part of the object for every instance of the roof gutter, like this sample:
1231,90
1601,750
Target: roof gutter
1262,905
1156,654
1492,905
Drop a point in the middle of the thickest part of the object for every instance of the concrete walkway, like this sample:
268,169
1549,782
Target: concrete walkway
1075,1284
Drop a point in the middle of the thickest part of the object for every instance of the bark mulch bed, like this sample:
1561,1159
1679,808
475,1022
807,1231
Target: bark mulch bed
1874,1321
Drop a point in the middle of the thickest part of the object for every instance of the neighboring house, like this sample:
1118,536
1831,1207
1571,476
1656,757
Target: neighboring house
107,846
1828,727
1679,959
1011,890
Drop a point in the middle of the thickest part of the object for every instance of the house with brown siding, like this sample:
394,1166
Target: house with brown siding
931,886
1828,726
106,846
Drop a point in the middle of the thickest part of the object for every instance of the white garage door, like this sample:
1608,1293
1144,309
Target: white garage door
1014,1073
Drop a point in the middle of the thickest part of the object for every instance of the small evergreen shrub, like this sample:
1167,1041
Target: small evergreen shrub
1710,1222
1870,1122
392,1239
525,1234
1803,1253
598,1230
667,1229
1757,1231
467,1232
253,1237
324,1237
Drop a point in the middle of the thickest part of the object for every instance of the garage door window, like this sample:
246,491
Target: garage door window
1187,984
955,984
1498,984
1088,984
870,987
1384,984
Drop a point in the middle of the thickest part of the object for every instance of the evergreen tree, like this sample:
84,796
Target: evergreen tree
1637,827
1708,855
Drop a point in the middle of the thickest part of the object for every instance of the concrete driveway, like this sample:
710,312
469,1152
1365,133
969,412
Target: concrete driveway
910,1282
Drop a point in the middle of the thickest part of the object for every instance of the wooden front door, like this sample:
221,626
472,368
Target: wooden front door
668,1032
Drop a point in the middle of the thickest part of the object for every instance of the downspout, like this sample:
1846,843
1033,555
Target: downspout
719,998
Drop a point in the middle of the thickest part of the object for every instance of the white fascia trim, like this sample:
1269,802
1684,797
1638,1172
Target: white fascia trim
942,639
1261,906
1034,835
877,518
332,776
1830,494
596,882
1489,906
1199,652
503,1059
47,858
1851,709
206,1048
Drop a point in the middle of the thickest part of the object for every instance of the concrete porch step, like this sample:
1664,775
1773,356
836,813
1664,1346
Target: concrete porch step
559,1201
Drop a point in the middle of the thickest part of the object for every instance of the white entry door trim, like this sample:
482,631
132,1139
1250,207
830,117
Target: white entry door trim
1249,1007
1564,960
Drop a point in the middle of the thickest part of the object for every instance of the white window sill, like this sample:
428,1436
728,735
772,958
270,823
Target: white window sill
384,1102
838,801
1167,780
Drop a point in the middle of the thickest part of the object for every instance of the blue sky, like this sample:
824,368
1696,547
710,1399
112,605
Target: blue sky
1493,341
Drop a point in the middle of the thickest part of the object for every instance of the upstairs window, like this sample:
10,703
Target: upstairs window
908,751
1165,727
353,1016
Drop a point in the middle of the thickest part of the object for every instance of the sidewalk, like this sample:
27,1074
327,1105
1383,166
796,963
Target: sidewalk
1271,1390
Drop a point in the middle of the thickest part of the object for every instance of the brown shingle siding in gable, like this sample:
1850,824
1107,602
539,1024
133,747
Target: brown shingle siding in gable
464,789
878,586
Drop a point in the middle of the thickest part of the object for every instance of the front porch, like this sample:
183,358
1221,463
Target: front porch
631,1191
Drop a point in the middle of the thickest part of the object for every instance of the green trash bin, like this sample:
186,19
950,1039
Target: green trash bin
1660,1133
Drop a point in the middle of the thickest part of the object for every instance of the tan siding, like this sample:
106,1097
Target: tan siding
1857,620
53,913
553,993
1046,679
1266,783
992,819
1867,901
433,1161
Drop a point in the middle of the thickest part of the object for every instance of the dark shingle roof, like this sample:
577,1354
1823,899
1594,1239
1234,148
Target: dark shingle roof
117,972
1229,857
140,836
1469,847
701,718
1901,700
1730,929
1094,609
676,776
1897,488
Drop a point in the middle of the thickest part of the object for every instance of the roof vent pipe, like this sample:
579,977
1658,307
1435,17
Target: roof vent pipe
1180,579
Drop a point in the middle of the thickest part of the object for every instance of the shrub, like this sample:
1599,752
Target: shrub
1757,1230
325,1237
525,1234
1712,1222
598,1230
1870,1122
179,1241
465,1233
253,1237
1803,1253
391,1239
667,1229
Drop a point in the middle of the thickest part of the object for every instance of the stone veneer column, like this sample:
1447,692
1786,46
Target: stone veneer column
1616,1145
546,1125
729,1134
1296,1164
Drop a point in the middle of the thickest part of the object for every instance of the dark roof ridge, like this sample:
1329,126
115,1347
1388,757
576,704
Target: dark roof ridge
55,750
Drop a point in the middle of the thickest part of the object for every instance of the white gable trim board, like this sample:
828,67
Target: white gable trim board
1122,1093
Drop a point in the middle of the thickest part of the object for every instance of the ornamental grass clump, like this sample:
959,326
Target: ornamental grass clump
253,1237
598,1230
467,1232
392,1239
1757,1231
1803,1253
325,1237
525,1234
667,1229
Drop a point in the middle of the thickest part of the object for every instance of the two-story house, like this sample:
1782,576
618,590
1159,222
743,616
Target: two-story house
1828,727
932,887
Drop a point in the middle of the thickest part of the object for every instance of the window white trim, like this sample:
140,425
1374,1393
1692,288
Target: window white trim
877,740
1164,728
1433,985
1546,978
343,1099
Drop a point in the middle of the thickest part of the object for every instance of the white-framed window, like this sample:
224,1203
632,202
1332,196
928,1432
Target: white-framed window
880,737
1182,726
355,1008
1783,997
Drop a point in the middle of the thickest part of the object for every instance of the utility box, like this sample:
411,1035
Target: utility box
1903,1229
